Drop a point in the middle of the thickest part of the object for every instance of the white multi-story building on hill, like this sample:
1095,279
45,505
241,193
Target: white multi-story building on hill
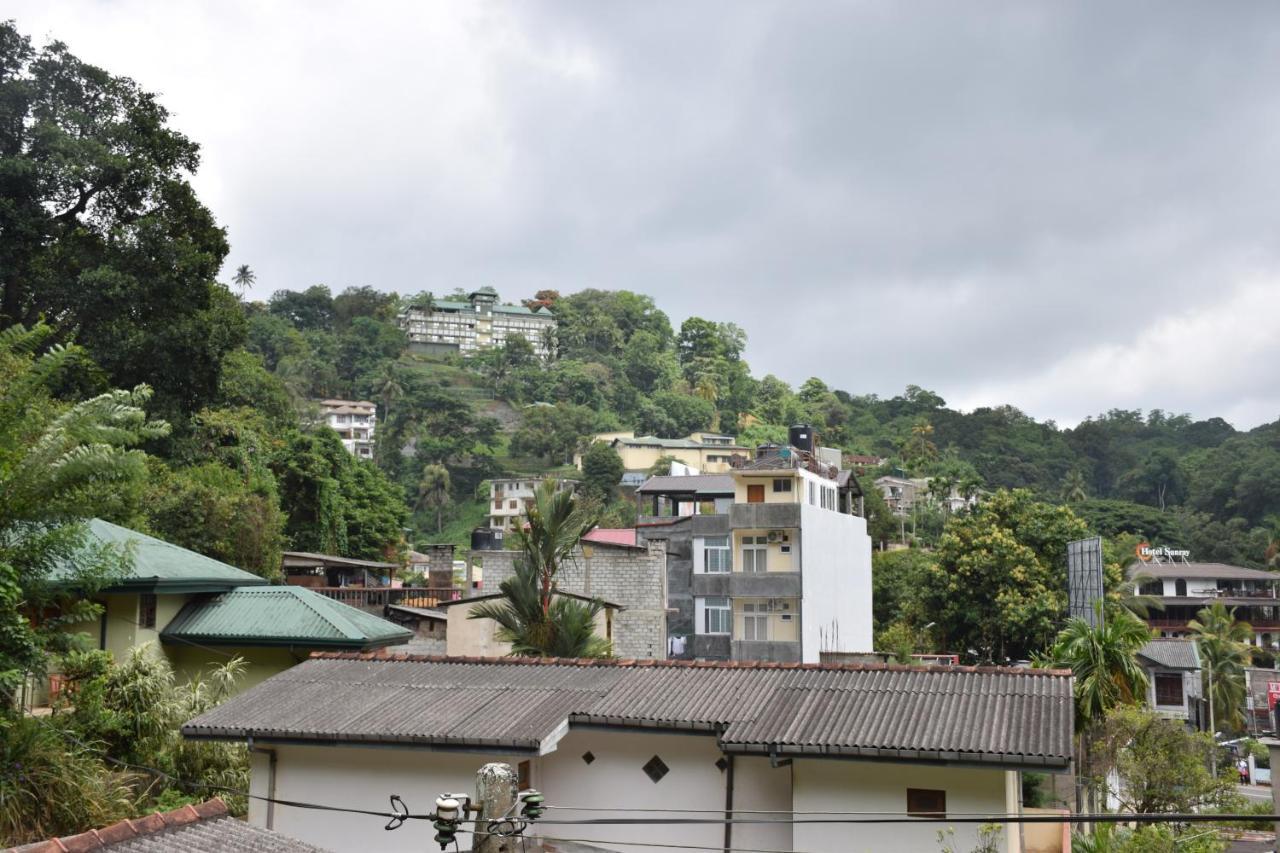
509,497
354,421
480,323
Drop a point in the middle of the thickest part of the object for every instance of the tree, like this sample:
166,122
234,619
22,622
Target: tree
602,470
308,310
1073,487
244,277
1104,662
918,449
433,491
553,432
1224,647
998,590
563,629
1159,480
103,235
555,523
60,463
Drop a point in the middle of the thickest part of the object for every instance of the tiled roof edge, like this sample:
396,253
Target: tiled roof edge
391,657
125,830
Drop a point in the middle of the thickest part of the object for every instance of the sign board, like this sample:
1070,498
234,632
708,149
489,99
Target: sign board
1273,693
1084,578
1147,553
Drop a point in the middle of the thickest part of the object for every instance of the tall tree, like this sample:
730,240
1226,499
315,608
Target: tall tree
1224,647
103,235
602,471
556,521
433,491
1073,487
244,277
1104,662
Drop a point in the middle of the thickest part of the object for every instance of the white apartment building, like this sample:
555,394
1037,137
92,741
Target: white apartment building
354,421
509,497
479,323
770,562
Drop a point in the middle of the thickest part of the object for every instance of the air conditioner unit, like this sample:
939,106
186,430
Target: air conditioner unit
777,536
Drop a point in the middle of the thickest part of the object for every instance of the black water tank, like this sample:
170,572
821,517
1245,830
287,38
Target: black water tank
483,539
801,437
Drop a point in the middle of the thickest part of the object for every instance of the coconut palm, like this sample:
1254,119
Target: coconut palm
433,491
556,521
1224,647
244,277
389,388
565,629
1073,487
1104,661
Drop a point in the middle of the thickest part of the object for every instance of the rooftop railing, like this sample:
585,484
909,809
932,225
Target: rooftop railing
376,597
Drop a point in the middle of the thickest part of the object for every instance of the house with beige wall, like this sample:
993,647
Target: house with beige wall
602,739
709,453
199,612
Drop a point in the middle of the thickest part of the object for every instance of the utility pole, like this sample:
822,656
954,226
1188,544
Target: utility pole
497,788
1213,729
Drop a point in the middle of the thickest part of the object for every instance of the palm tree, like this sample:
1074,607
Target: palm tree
556,521
1073,487
940,489
707,389
244,277
565,629
1104,661
388,388
1225,652
433,491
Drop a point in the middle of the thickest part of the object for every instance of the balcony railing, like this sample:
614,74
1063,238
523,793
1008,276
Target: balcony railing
1181,624
377,597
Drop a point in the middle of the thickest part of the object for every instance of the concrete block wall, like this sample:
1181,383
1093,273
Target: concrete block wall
634,578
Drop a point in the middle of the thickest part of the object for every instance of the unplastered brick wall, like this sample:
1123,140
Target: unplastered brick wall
634,578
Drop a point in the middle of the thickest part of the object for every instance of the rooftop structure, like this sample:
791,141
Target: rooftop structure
994,715
1173,680
447,326
707,453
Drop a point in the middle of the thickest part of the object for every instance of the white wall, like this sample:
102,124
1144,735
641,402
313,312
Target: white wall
835,562
830,785
362,778
616,778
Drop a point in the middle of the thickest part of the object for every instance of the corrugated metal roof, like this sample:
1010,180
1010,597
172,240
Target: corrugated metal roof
622,536
202,828
280,615
975,715
1200,571
155,562
1172,653
701,484
307,559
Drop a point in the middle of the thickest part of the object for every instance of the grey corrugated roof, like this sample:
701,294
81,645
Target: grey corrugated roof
1171,653
200,828
702,484
1201,571
1014,717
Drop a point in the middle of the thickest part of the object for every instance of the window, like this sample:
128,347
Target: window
146,610
755,622
782,485
1180,587
714,615
755,553
812,501
923,802
717,555
1169,689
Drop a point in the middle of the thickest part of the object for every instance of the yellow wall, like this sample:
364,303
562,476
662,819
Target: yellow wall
779,631
776,561
741,482
262,663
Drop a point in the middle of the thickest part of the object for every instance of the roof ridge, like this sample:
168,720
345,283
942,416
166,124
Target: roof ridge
408,657
334,617
131,828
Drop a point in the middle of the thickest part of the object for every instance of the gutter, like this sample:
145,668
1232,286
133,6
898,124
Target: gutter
271,780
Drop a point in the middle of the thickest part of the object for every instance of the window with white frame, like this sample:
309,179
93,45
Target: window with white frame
715,616
755,621
755,553
717,555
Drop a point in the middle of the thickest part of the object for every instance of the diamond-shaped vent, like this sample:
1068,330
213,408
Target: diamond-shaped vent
722,763
655,768
588,757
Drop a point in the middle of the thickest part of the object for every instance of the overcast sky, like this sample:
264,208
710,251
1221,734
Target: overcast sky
1066,207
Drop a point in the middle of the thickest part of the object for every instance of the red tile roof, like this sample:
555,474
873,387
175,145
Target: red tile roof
624,536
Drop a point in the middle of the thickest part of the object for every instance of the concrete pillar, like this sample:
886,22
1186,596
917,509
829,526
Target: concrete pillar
496,789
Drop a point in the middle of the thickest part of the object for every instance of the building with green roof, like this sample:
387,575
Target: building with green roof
199,611
448,326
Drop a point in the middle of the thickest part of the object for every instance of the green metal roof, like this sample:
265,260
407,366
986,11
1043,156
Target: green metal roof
454,305
159,566
280,616
673,443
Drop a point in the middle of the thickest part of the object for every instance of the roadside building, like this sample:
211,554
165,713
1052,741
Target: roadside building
1174,680
481,322
354,421
1184,588
198,612
509,498
769,562
195,828
707,453
666,737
